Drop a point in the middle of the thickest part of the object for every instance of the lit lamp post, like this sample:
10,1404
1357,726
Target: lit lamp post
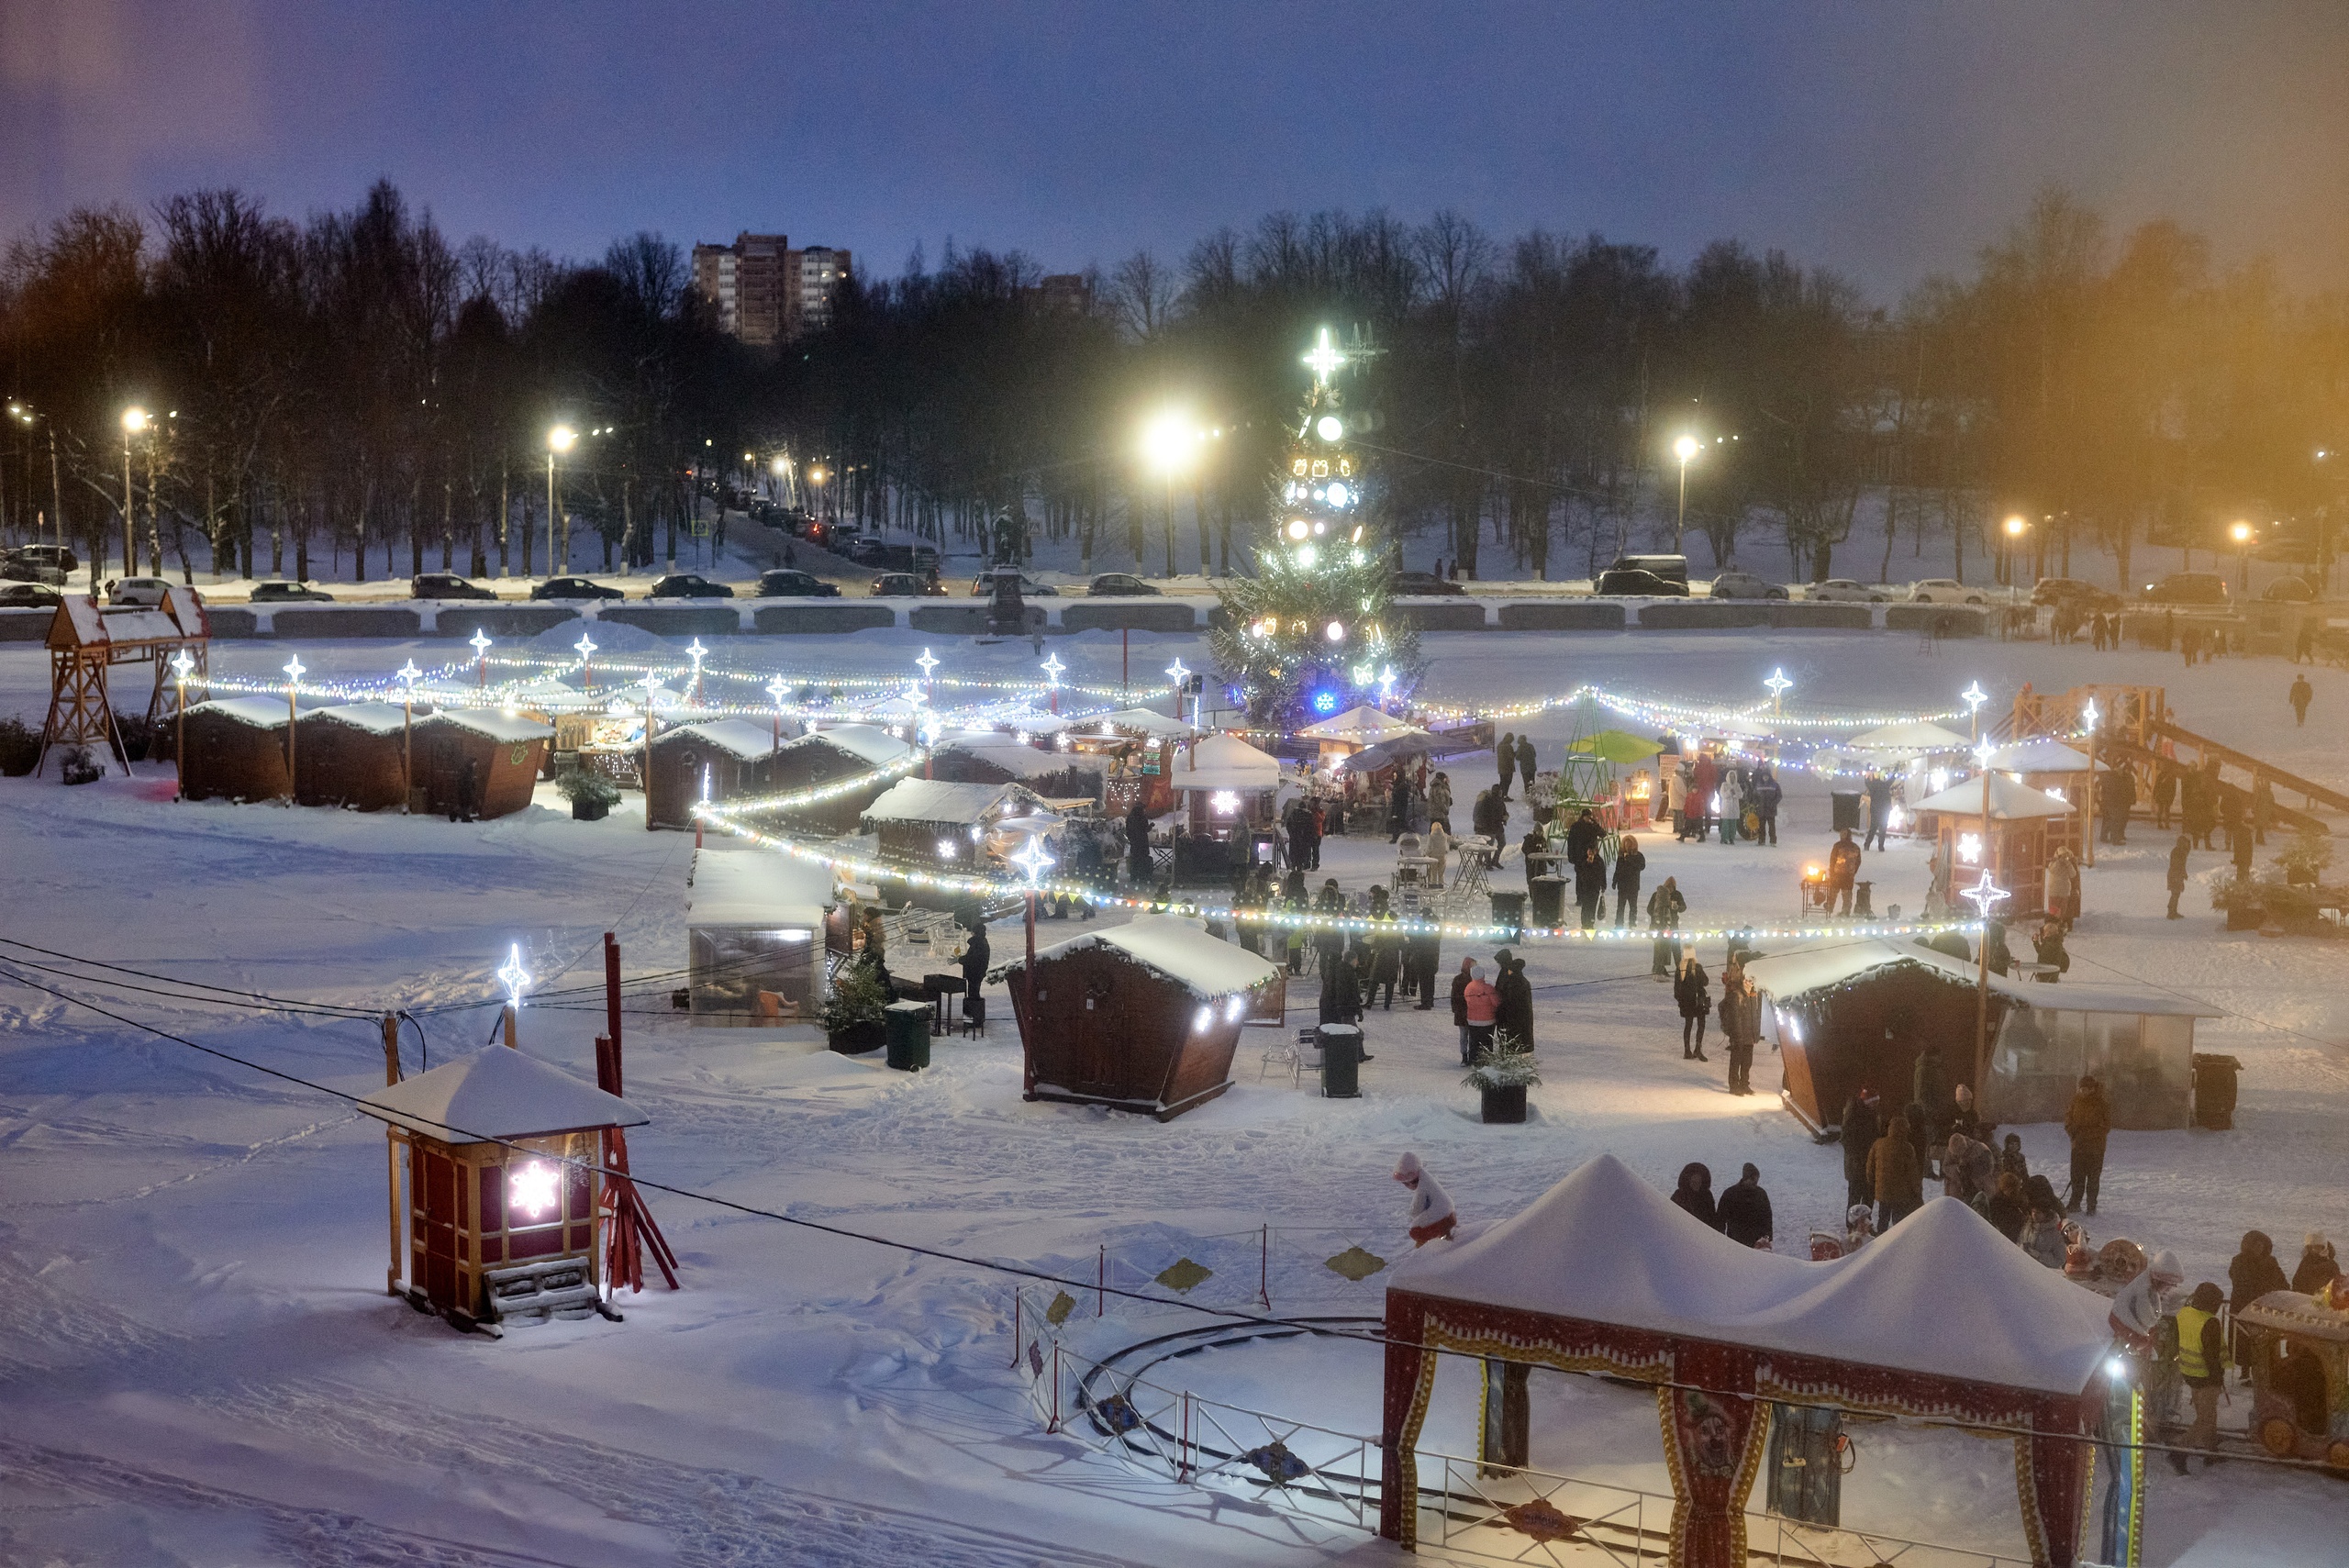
134,419
559,439
1984,896
1053,670
816,477
1686,448
182,665
2240,533
775,689
292,689
2013,529
1177,674
408,674
1171,444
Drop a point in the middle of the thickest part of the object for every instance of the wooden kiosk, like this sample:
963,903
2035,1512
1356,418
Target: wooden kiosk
2023,832
500,1215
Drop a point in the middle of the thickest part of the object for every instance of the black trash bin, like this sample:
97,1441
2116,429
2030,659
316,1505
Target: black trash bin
1341,1060
2214,1091
1846,805
909,1026
1508,910
1547,897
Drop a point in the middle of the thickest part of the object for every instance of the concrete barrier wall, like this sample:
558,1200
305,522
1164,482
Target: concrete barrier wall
957,621
26,626
1957,620
677,620
1127,615
1689,615
1840,618
1455,615
460,620
1563,615
817,617
319,621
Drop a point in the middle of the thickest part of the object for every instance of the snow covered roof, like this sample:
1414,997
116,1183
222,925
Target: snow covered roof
83,622
1182,952
546,692
497,1094
1785,976
1224,761
2041,754
1015,756
1034,723
863,741
261,713
1362,726
757,887
2009,801
928,800
1910,735
738,737
1941,1293
1147,722
497,724
374,718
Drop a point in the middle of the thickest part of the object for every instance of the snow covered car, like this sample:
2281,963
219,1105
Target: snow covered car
1845,591
1744,586
689,585
282,592
1945,590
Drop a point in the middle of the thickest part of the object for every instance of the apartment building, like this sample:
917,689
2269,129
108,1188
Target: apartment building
764,291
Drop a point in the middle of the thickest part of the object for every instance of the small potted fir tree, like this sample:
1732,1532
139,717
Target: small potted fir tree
1502,1072
854,1019
592,796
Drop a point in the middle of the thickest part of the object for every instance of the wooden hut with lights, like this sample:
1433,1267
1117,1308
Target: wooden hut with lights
950,826
1067,778
498,1215
2021,833
2058,771
1139,745
501,752
353,756
713,759
236,750
840,752
1145,1016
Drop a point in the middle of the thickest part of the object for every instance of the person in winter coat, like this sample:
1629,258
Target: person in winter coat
2299,696
2138,1310
1386,952
1695,1194
975,959
1340,992
2197,802
1398,807
1843,871
1744,1211
2202,1366
2318,1266
1704,778
1969,1171
1505,758
2005,1207
1584,833
2165,794
1439,850
1489,816
2088,1122
1329,941
2241,841
2062,886
1928,1086
1629,866
1590,887
1513,1010
2042,1236
1767,793
2010,1158
1861,1127
1138,845
1740,1015
1525,760
1993,936
2252,1274
2119,799
1894,1175
1692,992
1480,1007
1916,1126
1665,905
2047,947
1432,1215
2177,858
1439,801
1879,794
1962,1119
1460,1002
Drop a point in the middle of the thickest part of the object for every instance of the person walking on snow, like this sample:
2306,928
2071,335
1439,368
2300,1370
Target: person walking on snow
1744,1211
1480,1008
1694,1195
1505,758
2062,885
1665,905
1439,850
2301,695
1431,1216
1740,1013
1843,871
1879,792
1440,802
1525,760
1894,1174
1860,1130
2138,1310
1704,778
1767,793
2177,858
1590,887
1630,865
1513,1006
1691,992
2202,1366
2088,1123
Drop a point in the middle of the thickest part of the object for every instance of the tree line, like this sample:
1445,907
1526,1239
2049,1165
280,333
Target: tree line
355,388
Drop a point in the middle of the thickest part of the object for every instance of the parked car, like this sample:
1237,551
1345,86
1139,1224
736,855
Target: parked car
142,592
787,582
1845,591
2288,590
907,585
1945,590
39,564
984,585
1670,568
2190,588
575,588
1424,583
794,518
1744,586
29,596
446,585
1637,582
1119,584
689,585
276,593
2051,591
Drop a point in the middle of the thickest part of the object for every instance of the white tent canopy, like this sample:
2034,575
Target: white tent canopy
1146,722
1169,945
2009,801
1910,735
1362,726
2041,754
1942,1293
757,887
497,1094
1224,761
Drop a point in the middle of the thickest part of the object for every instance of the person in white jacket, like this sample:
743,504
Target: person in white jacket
2137,1308
1431,1215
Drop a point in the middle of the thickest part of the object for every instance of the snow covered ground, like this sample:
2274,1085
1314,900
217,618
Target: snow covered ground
201,1366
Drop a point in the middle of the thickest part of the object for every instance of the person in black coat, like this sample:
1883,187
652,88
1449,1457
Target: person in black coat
1767,793
975,958
1862,1128
1690,990
1629,866
1341,994
1744,1211
1398,807
1138,845
1590,887
1513,1014
1584,833
1695,1194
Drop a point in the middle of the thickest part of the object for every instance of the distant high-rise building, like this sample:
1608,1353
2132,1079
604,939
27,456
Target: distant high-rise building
764,291
1063,293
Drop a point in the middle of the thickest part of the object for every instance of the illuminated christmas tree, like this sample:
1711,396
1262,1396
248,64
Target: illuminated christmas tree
1310,633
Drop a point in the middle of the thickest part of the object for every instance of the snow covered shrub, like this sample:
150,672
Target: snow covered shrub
1504,1064
577,785
19,747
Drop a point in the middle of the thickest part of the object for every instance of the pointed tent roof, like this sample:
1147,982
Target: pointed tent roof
1942,1293
1147,722
2041,754
1910,735
497,1094
1206,966
2009,801
1360,726
1224,761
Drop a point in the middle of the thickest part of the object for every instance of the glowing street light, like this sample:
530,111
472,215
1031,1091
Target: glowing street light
1171,443
2241,533
1686,448
134,420
559,439
182,666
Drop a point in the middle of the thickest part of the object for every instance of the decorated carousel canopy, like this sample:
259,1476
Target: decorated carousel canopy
1224,761
1910,735
1616,745
1359,727
1942,1293
497,1094
2009,801
2041,754
1168,945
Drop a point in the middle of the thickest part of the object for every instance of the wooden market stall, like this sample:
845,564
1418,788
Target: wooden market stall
1140,745
836,755
754,937
493,755
2058,771
709,759
949,827
498,1212
353,756
236,750
2139,1042
1224,786
2024,829
992,757
1942,1318
1143,1017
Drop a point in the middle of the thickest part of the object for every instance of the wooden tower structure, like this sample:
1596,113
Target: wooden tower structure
86,642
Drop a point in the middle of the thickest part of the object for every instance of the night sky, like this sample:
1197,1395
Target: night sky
1889,139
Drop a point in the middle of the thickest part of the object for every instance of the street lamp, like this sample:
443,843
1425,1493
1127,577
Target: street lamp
2013,529
134,419
559,439
1686,448
1170,443
816,477
2240,533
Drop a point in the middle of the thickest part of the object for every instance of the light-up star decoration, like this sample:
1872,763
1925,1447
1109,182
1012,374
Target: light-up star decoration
295,669
514,977
697,653
2088,715
1969,848
1974,696
479,642
917,696
928,661
181,664
932,727
1779,686
533,1187
1983,896
1983,753
1326,360
1177,673
1033,861
1052,670
407,675
775,688
1385,684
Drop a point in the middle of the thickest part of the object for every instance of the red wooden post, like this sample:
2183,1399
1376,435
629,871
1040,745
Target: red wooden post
612,1003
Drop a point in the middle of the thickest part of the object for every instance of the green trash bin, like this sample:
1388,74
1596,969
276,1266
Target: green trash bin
909,1026
1341,1060
1508,910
